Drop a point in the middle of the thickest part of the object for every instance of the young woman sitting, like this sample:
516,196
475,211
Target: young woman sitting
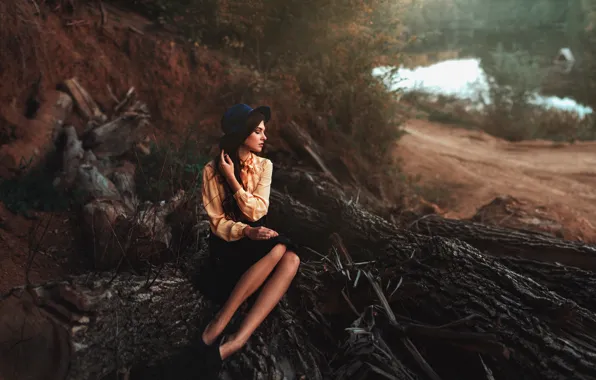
246,254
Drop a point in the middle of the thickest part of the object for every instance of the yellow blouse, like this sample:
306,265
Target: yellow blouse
253,202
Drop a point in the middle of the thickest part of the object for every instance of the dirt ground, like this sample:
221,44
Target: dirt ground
37,249
476,167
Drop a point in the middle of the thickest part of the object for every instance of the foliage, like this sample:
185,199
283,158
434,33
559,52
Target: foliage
335,80
516,69
512,77
536,121
193,18
170,167
331,62
34,190
539,27
495,15
320,52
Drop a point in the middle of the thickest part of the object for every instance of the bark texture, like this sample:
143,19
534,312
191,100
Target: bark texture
117,226
573,283
443,310
499,241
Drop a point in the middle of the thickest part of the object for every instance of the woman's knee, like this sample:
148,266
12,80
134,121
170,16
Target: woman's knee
291,260
278,251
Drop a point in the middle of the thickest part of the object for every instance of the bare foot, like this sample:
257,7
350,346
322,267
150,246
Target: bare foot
231,345
211,333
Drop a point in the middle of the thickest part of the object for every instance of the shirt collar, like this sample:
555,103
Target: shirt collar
248,165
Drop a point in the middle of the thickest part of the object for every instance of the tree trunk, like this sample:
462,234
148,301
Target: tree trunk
575,284
546,336
107,327
92,325
120,135
335,211
499,241
118,229
341,211
85,103
508,324
302,143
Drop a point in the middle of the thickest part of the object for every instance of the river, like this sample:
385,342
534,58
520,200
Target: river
463,79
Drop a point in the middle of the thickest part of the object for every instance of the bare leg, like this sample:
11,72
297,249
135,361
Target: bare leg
270,295
250,281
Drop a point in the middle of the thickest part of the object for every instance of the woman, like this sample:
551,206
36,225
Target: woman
247,255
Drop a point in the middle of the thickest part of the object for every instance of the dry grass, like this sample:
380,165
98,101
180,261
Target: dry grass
528,123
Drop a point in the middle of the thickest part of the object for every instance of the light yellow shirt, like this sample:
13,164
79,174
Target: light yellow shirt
253,202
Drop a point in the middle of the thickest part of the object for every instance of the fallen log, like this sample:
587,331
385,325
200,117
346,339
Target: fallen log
84,102
449,311
97,324
375,233
117,137
572,283
307,187
540,335
117,228
495,288
92,325
306,147
72,158
499,241
327,213
116,236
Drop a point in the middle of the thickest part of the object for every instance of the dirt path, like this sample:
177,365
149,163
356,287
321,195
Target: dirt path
478,167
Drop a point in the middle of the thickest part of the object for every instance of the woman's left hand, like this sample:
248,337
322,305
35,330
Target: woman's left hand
226,165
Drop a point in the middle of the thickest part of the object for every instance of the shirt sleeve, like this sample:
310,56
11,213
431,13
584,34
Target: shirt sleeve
254,206
227,229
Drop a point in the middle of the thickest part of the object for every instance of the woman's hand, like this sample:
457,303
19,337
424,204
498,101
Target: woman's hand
259,233
226,165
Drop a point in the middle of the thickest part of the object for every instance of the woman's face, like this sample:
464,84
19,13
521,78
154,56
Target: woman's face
256,140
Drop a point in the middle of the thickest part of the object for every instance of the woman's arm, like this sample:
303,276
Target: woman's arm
256,205
221,226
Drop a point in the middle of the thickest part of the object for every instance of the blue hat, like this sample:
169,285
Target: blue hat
234,119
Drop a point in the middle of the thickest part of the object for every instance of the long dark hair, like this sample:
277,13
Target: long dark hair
231,144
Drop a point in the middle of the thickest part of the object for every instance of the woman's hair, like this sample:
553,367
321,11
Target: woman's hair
231,144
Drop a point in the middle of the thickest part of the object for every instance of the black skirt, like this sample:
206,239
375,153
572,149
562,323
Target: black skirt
228,261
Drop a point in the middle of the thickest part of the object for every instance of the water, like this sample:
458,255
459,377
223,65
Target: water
464,79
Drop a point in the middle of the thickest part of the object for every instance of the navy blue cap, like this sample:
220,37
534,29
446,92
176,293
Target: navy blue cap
234,119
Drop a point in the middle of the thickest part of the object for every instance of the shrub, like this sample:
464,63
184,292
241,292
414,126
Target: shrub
169,167
512,77
34,190
326,48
